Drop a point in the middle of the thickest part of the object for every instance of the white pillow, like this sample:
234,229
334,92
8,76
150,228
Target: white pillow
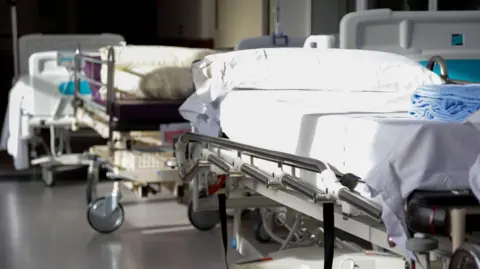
308,69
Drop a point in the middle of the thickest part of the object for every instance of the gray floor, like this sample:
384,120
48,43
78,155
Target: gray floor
43,228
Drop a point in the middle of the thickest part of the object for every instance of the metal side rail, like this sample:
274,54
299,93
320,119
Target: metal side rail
309,164
226,156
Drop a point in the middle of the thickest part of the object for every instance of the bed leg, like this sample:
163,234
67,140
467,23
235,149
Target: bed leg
457,224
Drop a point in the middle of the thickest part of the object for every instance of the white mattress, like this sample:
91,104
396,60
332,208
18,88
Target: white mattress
336,70
154,72
389,150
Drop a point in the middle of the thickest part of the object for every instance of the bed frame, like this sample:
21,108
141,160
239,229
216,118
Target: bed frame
135,154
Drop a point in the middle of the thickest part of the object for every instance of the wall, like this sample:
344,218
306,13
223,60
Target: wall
239,19
326,15
186,19
295,16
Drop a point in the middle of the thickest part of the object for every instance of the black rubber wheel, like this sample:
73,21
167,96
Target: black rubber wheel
466,257
101,222
260,233
203,220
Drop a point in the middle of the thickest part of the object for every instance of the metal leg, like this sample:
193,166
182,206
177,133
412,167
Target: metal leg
93,177
48,176
457,224
239,243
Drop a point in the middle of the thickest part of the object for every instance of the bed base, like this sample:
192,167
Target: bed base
197,155
58,158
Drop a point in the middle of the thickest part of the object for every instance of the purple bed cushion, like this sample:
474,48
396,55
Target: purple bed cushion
147,110
92,72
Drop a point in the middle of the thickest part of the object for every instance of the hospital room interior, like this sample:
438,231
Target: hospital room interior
242,134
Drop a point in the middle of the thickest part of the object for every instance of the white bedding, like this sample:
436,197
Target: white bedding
389,150
335,70
153,72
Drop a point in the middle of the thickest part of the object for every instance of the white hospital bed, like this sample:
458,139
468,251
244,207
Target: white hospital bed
35,98
275,145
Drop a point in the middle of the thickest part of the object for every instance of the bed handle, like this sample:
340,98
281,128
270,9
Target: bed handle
438,60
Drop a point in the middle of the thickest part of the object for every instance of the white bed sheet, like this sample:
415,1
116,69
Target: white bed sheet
389,150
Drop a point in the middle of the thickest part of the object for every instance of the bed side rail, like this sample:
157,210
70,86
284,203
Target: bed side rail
80,59
343,193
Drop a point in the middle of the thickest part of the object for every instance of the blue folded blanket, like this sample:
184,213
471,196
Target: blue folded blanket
450,103
68,88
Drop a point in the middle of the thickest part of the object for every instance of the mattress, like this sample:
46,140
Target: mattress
335,70
386,148
153,72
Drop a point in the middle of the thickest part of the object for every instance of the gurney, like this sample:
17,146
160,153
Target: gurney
40,99
275,147
134,105
287,179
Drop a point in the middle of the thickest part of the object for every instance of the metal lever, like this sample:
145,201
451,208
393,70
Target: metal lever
195,170
172,163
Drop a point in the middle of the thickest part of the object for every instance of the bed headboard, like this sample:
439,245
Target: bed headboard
269,42
33,43
418,35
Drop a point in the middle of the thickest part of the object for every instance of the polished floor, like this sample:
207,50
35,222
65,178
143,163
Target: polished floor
42,228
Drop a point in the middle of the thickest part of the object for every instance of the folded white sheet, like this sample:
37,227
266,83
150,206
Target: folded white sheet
154,72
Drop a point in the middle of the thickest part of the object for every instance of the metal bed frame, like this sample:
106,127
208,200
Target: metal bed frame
197,155
146,176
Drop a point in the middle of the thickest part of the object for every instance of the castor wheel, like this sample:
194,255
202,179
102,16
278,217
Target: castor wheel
48,177
102,222
260,234
203,220
465,257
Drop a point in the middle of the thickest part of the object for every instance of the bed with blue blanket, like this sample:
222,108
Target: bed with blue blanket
384,135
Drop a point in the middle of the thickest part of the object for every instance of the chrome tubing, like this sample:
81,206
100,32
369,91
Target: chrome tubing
219,162
361,203
280,157
303,188
256,173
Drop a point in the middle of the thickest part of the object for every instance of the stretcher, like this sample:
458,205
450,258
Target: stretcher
138,129
276,149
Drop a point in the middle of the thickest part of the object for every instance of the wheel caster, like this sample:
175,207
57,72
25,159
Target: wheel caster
203,220
102,222
48,177
260,234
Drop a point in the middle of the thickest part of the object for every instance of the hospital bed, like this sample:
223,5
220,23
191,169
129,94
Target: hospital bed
37,101
279,145
134,105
